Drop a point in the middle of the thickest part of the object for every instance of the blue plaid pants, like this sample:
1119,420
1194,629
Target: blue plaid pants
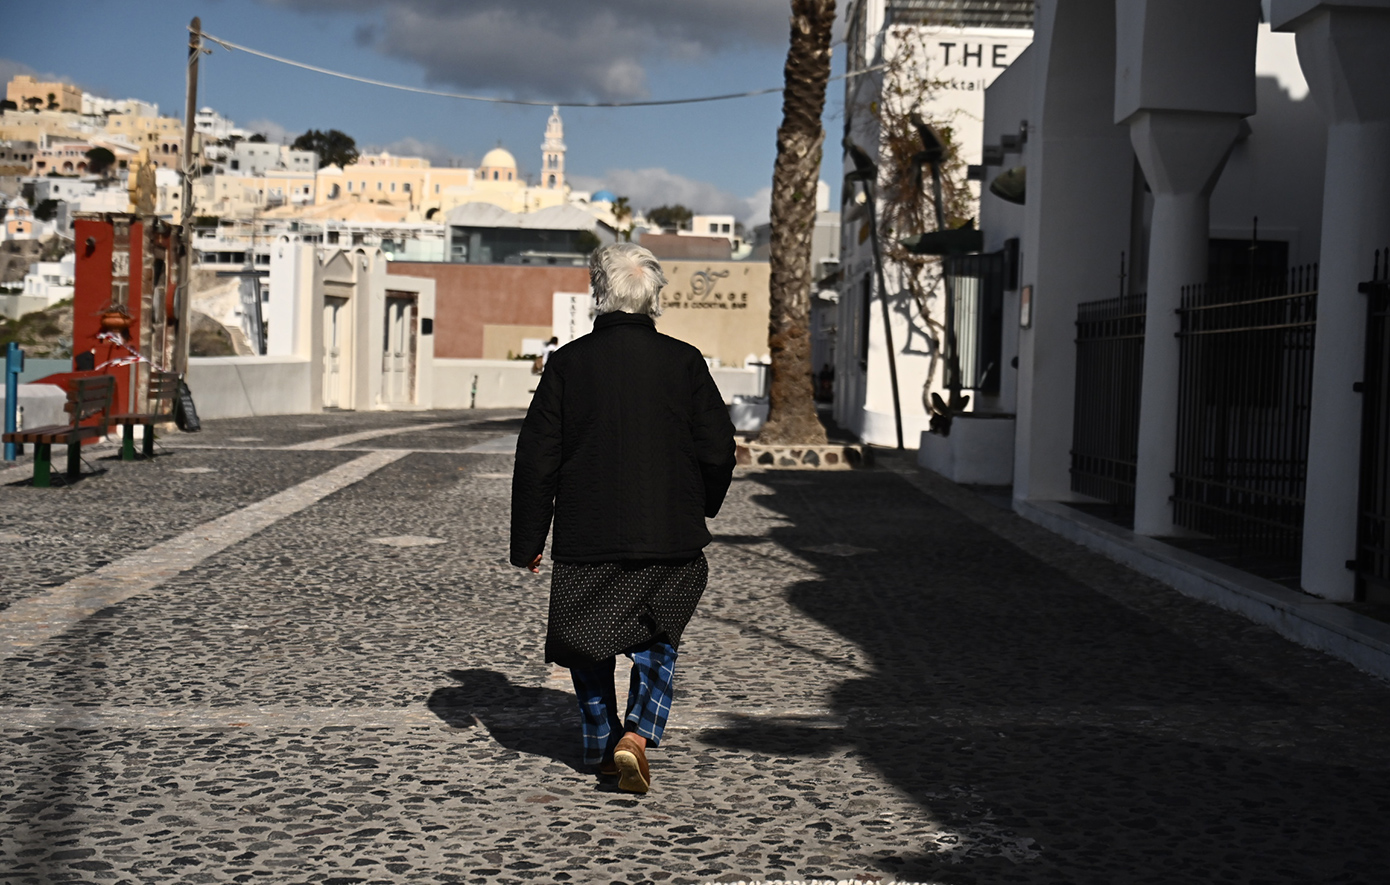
648,700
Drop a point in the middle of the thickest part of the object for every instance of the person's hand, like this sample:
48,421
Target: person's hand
536,564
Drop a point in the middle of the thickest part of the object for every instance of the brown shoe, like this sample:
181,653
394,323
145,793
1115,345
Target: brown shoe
631,759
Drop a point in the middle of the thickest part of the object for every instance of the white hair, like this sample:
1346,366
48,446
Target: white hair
626,277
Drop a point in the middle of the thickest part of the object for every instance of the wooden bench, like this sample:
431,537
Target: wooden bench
164,389
87,399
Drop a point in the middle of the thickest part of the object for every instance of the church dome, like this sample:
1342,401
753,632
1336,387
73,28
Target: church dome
604,196
498,158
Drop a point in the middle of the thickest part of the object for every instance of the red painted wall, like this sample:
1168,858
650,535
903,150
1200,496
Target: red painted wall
93,284
470,296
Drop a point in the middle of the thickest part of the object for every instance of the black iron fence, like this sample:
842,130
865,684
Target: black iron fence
1245,388
1373,526
1109,375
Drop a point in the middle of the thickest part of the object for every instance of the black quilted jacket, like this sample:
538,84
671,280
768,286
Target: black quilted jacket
627,444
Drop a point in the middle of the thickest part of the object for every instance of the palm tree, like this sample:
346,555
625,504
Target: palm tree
622,211
792,418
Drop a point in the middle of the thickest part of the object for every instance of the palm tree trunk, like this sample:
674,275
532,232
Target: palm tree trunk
792,416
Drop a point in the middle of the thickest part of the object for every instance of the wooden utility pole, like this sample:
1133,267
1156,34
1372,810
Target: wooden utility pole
792,417
188,167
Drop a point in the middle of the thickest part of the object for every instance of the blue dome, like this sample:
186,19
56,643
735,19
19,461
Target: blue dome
603,197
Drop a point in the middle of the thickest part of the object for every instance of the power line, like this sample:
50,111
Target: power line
229,45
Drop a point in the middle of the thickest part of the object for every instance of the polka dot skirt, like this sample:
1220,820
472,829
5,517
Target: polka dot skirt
602,609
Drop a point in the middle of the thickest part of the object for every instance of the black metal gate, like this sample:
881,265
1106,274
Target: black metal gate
1109,377
1245,390
1373,526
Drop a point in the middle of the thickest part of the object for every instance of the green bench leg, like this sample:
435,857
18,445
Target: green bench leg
147,444
42,465
74,459
128,443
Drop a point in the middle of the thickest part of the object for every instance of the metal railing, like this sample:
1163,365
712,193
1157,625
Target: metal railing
962,13
1109,377
1244,396
1373,525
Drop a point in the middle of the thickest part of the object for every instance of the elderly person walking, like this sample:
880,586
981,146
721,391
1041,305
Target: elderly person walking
629,446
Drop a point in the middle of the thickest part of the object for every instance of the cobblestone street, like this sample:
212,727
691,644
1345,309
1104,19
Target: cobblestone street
291,650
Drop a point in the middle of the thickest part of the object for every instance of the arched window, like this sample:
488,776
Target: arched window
509,176
551,183
495,174
334,191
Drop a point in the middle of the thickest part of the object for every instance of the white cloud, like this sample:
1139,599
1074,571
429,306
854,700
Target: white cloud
649,188
760,207
436,153
273,132
9,69
555,48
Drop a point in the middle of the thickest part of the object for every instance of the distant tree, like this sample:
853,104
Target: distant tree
7,105
52,102
674,217
622,212
34,103
333,147
256,138
46,210
586,242
100,160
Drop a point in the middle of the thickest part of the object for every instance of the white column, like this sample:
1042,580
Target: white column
1342,52
1182,154
1076,222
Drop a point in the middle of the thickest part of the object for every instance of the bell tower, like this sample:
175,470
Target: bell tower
553,152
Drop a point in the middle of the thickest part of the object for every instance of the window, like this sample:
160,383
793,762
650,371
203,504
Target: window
349,187
495,175
393,187
713,228
406,187
236,164
436,188
724,228
378,185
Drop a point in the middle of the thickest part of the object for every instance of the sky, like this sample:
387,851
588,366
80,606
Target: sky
715,157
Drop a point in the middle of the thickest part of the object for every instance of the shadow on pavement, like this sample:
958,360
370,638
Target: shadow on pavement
532,720
1050,733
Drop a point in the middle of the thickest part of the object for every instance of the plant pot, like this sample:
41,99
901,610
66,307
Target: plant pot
115,321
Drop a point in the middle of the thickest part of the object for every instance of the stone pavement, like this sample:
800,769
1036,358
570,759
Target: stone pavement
291,650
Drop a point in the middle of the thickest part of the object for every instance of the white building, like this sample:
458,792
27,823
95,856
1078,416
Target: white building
217,127
47,283
340,332
263,158
1163,354
942,73
93,105
50,280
